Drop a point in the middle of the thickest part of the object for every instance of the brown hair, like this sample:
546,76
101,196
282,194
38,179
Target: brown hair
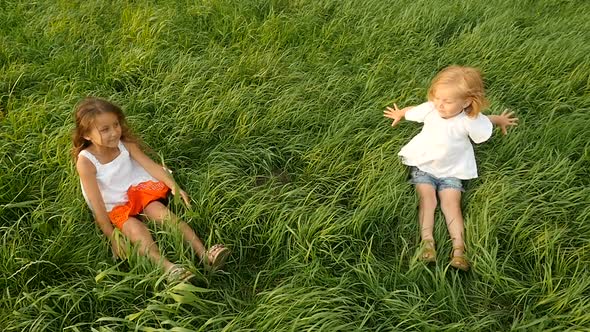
468,82
86,112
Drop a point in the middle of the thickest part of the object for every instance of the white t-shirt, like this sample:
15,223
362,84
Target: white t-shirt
443,148
115,178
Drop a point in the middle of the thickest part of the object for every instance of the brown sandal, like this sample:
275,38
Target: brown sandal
457,261
428,251
178,274
216,256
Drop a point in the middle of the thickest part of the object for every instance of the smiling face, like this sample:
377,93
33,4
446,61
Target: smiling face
106,130
448,101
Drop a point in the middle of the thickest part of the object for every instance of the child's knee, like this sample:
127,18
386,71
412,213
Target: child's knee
134,229
428,203
451,210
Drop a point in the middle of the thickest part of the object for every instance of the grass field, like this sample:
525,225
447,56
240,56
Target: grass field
270,114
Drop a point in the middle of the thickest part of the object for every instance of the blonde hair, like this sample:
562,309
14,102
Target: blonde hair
85,114
467,81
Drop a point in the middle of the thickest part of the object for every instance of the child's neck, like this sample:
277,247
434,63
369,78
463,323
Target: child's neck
103,153
452,116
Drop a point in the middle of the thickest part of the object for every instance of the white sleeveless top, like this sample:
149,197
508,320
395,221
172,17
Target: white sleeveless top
115,178
443,147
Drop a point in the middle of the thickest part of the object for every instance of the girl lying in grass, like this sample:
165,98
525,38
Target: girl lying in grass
120,182
441,155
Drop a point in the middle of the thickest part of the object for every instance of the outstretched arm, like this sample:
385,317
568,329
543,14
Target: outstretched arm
395,113
504,120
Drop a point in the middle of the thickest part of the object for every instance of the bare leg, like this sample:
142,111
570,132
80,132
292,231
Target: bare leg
428,202
160,213
450,202
139,234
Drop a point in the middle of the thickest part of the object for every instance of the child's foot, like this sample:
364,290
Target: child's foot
178,274
216,256
428,251
458,258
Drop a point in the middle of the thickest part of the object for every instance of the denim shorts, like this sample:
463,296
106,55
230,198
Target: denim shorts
418,176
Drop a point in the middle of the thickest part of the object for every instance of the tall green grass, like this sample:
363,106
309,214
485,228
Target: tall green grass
270,114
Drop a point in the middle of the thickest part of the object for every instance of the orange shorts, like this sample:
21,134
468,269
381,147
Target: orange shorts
139,197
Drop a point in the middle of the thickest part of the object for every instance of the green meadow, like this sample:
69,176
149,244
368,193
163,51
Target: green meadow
270,114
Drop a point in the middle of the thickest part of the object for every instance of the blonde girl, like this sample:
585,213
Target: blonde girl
441,155
120,183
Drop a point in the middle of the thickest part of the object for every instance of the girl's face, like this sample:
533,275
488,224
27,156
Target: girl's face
106,131
449,102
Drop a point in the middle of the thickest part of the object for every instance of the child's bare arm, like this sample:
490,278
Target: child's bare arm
87,173
396,114
155,170
504,120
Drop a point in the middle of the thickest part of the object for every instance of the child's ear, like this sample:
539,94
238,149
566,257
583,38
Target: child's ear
467,103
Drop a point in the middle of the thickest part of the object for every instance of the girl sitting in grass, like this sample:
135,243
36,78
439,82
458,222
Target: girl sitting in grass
120,182
441,155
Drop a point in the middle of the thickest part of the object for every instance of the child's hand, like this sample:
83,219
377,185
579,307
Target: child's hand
394,113
504,120
184,196
118,247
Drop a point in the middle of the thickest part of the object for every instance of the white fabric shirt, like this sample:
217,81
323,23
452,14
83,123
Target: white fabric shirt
115,178
443,148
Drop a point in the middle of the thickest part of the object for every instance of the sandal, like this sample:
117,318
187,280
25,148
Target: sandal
216,256
457,261
178,274
428,251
